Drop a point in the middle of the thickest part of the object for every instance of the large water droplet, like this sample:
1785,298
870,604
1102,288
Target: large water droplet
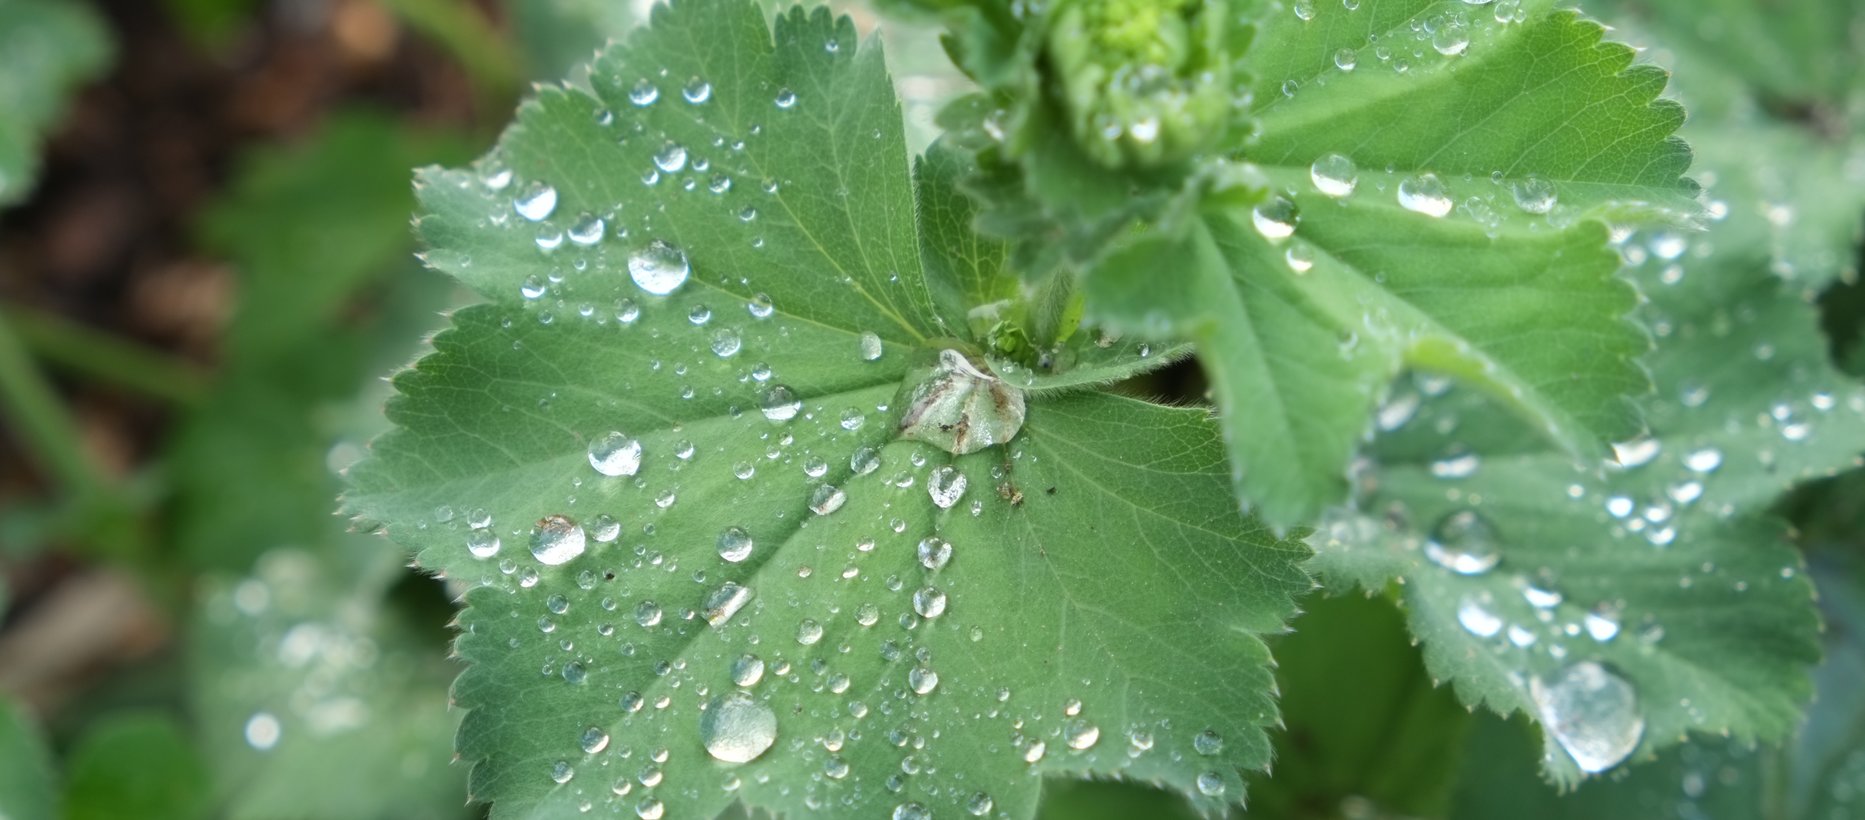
1474,614
962,409
556,539
922,679
979,804
1275,219
1208,742
779,403
594,740
826,498
482,543
1081,735
615,454
671,157
912,811
1424,194
946,485
929,602
934,552
1591,712
1465,543
734,544
725,602
1334,175
1534,194
658,268
535,202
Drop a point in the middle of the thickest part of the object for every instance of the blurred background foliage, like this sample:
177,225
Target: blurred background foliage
205,267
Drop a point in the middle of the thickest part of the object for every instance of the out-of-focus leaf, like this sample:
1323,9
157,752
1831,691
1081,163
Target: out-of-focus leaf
135,765
1110,800
315,697
47,48
27,790
330,293
559,37
1364,724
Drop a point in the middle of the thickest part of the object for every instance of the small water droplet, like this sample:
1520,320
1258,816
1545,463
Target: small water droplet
594,740
643,93
1476,617
922,679
786,99
1211,784
808,632
870,346
934,552
482,543
912,811
263,731
1705,460
826,498
1534,194
697,91
1208,742
1081,735
734,544
671,157
979,804
725,602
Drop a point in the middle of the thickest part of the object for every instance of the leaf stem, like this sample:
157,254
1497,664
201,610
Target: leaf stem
106,357
42,425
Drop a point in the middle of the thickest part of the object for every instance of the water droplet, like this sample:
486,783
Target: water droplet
946,485
1334,175
726,343
1451,38
1705,460
1637,452
594,740
650,809
1081,735
1591,712
482,543
643,93
604,528
1602,623
934,552
979,804
747,670
826,498
864,460
658,268
961,408
1304,10
1275,219
725,602
870,345
786,99
561,772
532,287
574,673
671,157
588,230
929,602
1458,466
615,454
1211,784
1475,616
648,614
1346,58
697,91
556,539
1208,742
1464,542
263,731
1424,194
1300,258
760,306
535,202
912,811
808,631
922,679
1534,194
779,403
734,544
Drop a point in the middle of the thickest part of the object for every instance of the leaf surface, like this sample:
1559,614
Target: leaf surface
760,556
1433,205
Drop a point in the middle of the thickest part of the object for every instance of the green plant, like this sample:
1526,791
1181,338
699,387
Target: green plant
682,457
787,456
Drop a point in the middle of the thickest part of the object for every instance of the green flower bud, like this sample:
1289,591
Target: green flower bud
1142,82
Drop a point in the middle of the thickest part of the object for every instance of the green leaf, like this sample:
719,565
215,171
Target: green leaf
136,765
1450,228
26,785
758,558
1383,736
318,234
311,688
1670,574
1817,775
49,48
